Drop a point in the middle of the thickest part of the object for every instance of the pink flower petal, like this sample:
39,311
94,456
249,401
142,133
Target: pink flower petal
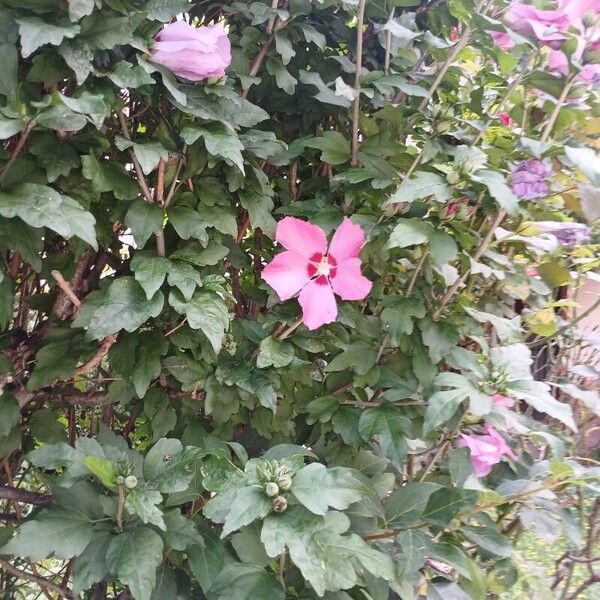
348,282
347,241
502,401
301,237
287,274
318,303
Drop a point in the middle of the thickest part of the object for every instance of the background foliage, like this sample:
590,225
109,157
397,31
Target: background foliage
154,389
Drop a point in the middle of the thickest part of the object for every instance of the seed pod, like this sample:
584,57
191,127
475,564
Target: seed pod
272,489
130,481
279,504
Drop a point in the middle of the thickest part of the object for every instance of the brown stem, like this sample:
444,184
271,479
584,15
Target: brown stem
17,149
358,67
24,496
42,582
483,246
65,288
102,351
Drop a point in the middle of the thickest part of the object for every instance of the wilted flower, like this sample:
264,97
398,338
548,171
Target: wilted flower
193,53
529,179
486,450
309,267
567,234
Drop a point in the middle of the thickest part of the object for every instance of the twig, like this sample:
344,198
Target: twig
42,582
358,63
102,351
66,288
120,508
415,275
388,42
24,496
160,236
290,330
554,115
17,149
173,185
476,256
440,451
174,329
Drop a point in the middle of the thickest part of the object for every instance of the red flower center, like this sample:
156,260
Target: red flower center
322,267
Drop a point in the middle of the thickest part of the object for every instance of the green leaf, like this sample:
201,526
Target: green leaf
149,154
274,353
317,488
79,57
56,360
123,305
444,504
90,566
250,503
239,581
41,206
55,157
325,557
105,32
103,469
284,47
423,185
184,277
144,219
9,413
406,504
410,232
143,503
207,311
489,539
62,532
9,127
219,141
498,189
6,302
109,176
357,355
150,272
26,240
80,8
94,106
61,118
36,32
388,426
127,75
164,10
335,148
134,556
168,467
554,274
206,560
195,254
442,247
181,532
441,407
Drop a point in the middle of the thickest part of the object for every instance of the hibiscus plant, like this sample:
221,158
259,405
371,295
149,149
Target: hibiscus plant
289,298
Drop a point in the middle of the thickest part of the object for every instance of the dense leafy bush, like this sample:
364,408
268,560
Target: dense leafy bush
174,422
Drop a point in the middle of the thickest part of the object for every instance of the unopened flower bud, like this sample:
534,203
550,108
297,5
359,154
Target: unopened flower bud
443,126
130,481
120,480
285,482
452,178
272,489
279,504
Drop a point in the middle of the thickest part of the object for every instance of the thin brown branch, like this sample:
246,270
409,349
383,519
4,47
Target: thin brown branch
358,66
65,288
24,496
42,582
17,149
102,351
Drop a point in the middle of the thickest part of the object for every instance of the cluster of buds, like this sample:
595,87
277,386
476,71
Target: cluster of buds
497,380
277,479
459,209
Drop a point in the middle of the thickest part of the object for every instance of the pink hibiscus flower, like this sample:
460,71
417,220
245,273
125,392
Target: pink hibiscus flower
308,266
486,450
504,118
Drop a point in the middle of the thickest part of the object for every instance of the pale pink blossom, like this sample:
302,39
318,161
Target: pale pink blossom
502,401
486,450
193,53
547,26
308,266
576,9
502,40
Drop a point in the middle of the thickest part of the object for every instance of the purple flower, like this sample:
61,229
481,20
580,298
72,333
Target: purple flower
193,53
567,234
529,179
